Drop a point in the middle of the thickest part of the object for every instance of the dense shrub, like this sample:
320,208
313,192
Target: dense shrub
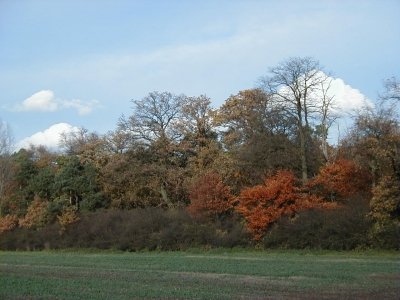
343,228
47,237
152,228
387,237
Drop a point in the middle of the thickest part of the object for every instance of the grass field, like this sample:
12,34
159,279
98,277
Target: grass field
214,274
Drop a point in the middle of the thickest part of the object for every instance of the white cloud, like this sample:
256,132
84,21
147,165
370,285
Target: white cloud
347,98
40,101
49,137
346,102
46,101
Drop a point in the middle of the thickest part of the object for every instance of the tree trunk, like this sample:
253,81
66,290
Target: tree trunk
303,142
304,169
324,143
165,197
77,202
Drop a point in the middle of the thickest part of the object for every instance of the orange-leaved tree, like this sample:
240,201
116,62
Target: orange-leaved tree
37,214
8,223
340,179
280,195
209,196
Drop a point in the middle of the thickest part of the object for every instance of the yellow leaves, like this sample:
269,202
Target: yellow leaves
68,216
385,201
36,215
8,223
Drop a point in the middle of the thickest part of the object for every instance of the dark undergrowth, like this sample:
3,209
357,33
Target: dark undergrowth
345,228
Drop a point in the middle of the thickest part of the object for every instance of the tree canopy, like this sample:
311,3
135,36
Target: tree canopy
259,159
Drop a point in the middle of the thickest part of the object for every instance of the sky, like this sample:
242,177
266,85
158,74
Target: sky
79,63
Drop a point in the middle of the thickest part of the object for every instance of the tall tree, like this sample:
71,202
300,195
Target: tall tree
247,114
76,182
258,135
199,145
6,170
88,146
196,123
294,85
154,118
20,194
327,116
118,141
6,139
154,126
392,90
374,141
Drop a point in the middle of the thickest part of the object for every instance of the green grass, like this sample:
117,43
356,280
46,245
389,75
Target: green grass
197,274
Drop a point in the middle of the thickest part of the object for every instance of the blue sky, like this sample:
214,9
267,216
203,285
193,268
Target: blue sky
81,62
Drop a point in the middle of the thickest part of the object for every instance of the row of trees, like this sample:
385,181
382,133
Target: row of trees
261,157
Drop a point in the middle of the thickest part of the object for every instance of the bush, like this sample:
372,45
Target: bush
152,228
343,228
30,239
387,237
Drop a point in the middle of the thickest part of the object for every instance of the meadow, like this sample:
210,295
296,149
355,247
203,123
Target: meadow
195,274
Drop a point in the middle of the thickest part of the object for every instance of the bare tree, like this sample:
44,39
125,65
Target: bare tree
6,142
155,123
88,146
6,139
118,141
73,142
392,90
154,117
196,122
327,115
294,84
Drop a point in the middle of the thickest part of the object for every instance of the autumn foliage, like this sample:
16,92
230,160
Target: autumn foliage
8,223
36,214
209,196
68,217
280,195
340,179
178,153
385,202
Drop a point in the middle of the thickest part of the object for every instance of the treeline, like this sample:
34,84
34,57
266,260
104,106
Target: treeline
177,173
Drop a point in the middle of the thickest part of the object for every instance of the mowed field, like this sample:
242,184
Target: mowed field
216,274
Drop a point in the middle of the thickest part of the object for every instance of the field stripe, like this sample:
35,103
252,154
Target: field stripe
204,275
